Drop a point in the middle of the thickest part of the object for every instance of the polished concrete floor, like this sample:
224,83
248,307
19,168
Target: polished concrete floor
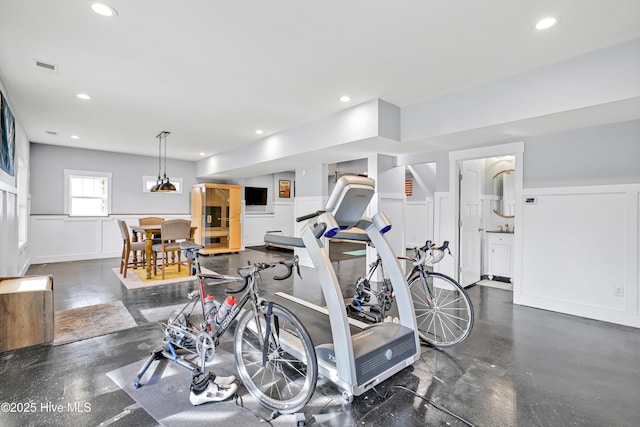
519,367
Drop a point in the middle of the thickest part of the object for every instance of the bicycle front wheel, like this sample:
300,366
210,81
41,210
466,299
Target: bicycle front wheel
444,313
276,359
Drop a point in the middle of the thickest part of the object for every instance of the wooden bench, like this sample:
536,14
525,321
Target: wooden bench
26,311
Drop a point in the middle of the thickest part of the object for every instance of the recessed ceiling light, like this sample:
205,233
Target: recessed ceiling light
83,96
545,23
75,137
104,9
345,98
259,131
202,154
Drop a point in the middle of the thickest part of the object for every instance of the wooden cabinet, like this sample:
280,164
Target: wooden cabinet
500,255
215,210
26,311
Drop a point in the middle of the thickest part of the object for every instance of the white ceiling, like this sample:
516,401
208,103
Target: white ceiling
212,72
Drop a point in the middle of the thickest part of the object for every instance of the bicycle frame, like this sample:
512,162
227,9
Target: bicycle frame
175,331
432,255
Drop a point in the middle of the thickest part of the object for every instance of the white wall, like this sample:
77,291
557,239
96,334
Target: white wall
418,222
256,225
58,238
55,237
580,251
14,255
579,244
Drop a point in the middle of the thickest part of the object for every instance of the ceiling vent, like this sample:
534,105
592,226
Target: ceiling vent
50,132
46,67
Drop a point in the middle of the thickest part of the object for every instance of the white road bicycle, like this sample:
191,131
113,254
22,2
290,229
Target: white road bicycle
443,310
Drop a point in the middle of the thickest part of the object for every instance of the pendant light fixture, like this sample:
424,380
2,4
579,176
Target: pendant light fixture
162,184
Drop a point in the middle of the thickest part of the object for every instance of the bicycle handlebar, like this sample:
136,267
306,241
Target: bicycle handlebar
251,269
289,264
429,248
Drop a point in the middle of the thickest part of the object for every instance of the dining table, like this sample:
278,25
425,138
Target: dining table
149,231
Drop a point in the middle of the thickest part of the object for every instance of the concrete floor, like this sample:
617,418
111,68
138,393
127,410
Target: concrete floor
519,367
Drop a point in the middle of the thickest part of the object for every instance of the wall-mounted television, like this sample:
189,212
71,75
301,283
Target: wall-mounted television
255,196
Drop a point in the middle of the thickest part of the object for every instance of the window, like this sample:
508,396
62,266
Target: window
149,181
87,193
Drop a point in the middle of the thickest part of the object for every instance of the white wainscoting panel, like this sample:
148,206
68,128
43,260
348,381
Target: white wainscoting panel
57,238
580,252
392,205
8,231
255,225
444,229
418,223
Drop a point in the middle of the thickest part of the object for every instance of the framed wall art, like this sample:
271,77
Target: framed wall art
7,138
285,189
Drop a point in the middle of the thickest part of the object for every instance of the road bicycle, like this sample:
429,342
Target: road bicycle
443,310
274,355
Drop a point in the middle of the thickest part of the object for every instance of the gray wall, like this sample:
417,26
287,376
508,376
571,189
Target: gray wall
48,163
272,183
608,154
311,180
597,155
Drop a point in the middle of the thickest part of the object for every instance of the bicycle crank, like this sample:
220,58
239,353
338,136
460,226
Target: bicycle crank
205,347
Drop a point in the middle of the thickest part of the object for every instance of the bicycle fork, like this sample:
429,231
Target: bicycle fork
429,288
267,334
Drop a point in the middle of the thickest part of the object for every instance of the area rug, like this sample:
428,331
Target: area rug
91,321
137,278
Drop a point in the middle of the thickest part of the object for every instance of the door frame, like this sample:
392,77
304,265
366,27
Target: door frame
455,161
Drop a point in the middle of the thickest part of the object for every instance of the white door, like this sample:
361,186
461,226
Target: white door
469,247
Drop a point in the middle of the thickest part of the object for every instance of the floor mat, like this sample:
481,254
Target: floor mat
92,321
164,395
161,314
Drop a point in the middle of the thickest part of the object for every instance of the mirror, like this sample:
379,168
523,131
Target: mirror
504,188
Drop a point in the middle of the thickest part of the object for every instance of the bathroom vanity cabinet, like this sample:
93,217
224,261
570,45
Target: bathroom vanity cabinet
500,254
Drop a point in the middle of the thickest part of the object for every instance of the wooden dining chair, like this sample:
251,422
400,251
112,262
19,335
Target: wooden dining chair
127,248
152,220
172,232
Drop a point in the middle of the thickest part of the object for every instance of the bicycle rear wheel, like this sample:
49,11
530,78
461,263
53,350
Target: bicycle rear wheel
281,375
444,313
